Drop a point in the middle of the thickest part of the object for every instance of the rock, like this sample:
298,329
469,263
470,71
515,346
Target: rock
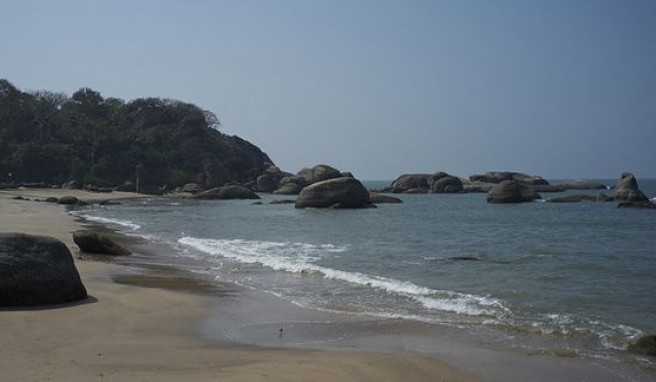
500,176
510,191
192,188
477,187
36,270
336,193
548,188
290,185
283,201
68,200
573,199
445,183
645,345
640,205
582,185
605,198
51,199
228,192
266,183
318,173
376,198
626,189
412,183
94,242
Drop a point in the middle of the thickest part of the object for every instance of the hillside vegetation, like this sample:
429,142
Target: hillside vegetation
50,138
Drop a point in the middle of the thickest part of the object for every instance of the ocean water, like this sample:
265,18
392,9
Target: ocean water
538,275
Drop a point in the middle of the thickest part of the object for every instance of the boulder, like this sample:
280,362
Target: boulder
645,345
335,193
318,173
477,187
376,198
94,242
626,189
412,183
290,185
445,183
68,200
228,192
37,270
266,183
510,191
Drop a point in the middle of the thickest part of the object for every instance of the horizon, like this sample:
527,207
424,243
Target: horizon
556,89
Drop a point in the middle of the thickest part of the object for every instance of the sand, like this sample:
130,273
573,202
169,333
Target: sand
129,333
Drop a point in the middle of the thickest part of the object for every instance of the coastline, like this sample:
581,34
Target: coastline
127,332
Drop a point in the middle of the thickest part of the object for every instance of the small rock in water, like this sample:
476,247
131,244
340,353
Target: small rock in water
645,345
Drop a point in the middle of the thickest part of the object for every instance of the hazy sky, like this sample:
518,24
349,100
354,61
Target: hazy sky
564,89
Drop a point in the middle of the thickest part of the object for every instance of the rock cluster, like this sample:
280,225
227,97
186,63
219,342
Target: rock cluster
511,191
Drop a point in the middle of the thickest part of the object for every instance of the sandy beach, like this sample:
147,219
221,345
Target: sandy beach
127,333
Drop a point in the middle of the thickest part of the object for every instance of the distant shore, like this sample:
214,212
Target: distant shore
125,332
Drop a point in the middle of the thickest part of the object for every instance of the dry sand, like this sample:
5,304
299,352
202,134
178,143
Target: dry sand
127,333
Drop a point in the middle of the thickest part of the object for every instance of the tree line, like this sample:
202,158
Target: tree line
51,138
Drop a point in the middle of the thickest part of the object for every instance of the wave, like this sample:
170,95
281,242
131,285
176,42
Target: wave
298,257
123,223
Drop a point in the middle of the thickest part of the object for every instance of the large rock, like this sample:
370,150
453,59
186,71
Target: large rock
290,185
266,183
510,191
626,189
318,173
36,270
445,183
412,183
228,192
645,345
94,242
337,193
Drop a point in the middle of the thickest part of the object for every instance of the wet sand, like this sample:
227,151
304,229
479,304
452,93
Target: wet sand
145,325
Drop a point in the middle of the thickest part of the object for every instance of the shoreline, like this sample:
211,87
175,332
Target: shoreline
126,332
236,319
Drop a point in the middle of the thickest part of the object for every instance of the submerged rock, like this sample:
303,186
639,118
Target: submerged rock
573,199
377,198
228,192
645,345
36,270
334,193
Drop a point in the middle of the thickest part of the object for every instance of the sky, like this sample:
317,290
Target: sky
565,89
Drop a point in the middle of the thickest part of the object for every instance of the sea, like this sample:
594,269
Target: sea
539,275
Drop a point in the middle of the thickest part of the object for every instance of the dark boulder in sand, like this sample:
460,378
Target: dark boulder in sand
37,270
334,193
626,189
68,200
228,192
645,345
510,191
94,242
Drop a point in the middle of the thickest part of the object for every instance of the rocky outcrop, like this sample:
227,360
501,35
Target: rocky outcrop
627,191
37,270
94,242
228,192
443,183
510,191
499,176
645,345
318,173
334,193
439,182
290,185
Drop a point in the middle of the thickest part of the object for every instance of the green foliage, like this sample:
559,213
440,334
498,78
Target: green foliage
48,137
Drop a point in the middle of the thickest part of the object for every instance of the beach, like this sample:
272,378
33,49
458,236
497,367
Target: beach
124,332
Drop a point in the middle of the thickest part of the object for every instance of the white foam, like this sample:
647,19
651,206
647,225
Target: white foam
123,223
298,257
